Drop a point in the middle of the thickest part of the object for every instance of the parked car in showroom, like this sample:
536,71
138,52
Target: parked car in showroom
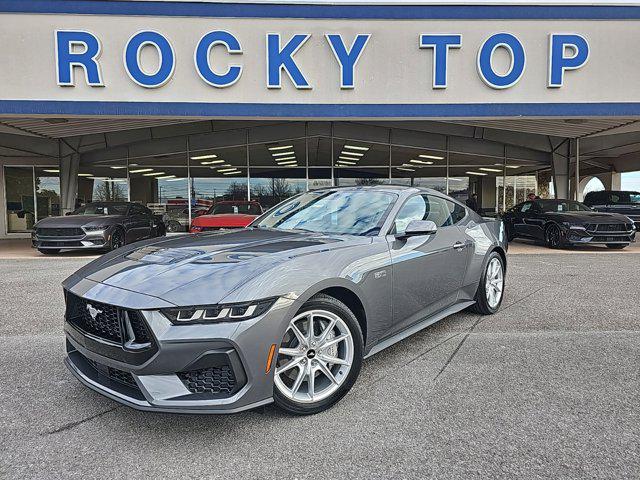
615,201
176,219
284,310
560,223
96,226
227,214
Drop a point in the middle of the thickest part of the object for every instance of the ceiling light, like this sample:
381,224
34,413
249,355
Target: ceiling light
432,157
345,162
289,162
355,154
354,159
284,147
85,174
175,179
141,170
204,157
355,147
284,158
280,154
212,162
476,173
153,174
235,172
513,166
405,169
420,162
485,169
120,167
222,170
51,170
167,177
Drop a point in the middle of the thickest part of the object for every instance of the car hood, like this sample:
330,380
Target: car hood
625,209
205,268
589,217
77,221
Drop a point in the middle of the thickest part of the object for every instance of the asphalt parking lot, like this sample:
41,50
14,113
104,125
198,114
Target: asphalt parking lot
547,388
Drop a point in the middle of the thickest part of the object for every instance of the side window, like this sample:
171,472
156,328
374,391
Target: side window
457,212
526,207
414,209
138,210
438,211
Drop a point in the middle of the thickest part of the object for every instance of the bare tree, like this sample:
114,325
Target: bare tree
109,192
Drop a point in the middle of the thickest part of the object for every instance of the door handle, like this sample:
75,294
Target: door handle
459,245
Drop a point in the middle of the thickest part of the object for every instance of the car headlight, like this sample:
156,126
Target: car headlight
572,227
94,229
231,312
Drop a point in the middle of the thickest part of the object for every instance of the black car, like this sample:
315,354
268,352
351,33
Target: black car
566,222
96,226
615,201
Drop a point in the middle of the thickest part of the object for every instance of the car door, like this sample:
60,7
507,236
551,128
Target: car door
140,223
427,270
519,223
533,220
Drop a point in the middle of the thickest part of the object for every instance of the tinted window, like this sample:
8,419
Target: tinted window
423,207
458,212
526,207
349,212
235,208
138,210
562,206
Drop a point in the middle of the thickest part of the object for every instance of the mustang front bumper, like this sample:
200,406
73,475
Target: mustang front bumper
591,237
206,368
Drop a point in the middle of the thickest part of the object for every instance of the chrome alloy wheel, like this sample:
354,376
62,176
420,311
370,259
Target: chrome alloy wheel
315,356
494,282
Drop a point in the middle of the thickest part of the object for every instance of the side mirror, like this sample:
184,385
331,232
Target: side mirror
419,227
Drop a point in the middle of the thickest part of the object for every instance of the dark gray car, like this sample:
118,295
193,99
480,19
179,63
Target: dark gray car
96,226
283,310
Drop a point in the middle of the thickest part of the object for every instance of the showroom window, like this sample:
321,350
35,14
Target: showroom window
32,193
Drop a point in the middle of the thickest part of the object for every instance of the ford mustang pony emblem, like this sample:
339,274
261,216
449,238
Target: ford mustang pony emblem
93,311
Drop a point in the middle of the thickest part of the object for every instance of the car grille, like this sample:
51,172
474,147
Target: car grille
106,321
611,238
59,232
216,380
608,227
114,374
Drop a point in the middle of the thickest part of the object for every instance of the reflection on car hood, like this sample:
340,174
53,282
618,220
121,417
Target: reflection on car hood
183,269
77,220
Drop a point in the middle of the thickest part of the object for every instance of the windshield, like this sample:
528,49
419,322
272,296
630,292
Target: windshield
343,212
102,209
624,197
235,208
563,206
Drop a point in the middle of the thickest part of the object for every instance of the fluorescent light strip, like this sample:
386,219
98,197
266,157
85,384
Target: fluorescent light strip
212,162
349,158
85,174
175,179
405,169
284,147
285,159
508,166
354,154
280,154
154,174
484,169
476,173
204,157
420,162
119,168
167,177
51,170
231,173
355,147
432,157
141,170
289,162
345,162
222,170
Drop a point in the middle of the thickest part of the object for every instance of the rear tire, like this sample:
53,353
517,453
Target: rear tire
617,246
174,227
324,364
491,287
117,239
49,251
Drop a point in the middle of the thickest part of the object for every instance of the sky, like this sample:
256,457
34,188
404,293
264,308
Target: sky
631,181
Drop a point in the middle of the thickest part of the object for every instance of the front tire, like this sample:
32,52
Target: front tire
117,239
553,236
319,358
490,290
174,227
617,246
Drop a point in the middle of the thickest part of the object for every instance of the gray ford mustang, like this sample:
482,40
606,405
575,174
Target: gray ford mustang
284,310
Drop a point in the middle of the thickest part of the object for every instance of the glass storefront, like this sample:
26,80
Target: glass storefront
32,193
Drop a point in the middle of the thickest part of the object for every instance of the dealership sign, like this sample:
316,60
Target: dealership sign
78,48
335,63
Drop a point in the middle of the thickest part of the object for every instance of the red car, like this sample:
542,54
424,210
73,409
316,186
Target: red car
227,214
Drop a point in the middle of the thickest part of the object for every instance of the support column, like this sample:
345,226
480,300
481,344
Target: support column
616,181
69,167
560,164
